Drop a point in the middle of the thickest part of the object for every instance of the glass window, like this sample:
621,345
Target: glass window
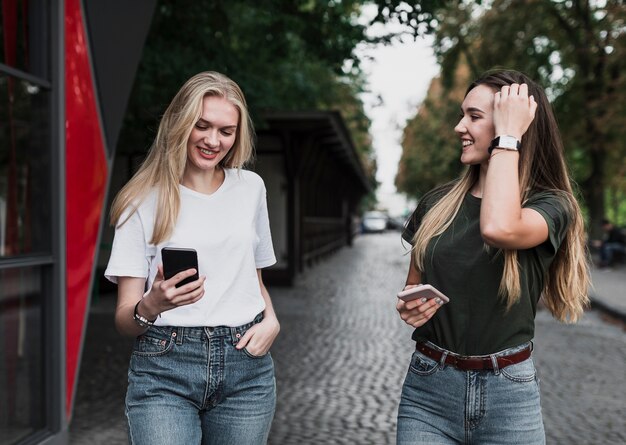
24,33
21,352
25,217
25,168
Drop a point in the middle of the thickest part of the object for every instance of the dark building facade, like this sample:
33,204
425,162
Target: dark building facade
66,71
64,82
315,182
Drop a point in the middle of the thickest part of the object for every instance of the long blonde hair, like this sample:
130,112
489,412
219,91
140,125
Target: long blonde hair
165,163
542,167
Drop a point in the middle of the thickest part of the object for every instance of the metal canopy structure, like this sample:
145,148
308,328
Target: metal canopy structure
329,128
315,181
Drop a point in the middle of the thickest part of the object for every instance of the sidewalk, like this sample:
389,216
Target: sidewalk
609,291
343,352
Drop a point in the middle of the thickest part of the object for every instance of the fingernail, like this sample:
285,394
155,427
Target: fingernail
423,300
439,301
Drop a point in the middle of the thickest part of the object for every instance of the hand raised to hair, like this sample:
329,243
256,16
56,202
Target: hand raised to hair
513,110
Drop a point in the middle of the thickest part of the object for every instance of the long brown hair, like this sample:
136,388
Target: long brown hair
165,163
542,167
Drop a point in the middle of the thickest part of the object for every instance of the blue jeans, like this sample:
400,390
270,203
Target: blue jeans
191,386
443,405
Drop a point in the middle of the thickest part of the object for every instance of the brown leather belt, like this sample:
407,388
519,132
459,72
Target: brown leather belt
474,363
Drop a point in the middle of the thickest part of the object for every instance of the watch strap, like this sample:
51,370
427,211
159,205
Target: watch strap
505,143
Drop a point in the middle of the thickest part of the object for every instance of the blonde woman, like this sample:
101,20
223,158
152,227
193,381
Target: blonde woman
200,371
508,232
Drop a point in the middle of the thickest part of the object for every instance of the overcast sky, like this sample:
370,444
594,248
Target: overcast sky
399,74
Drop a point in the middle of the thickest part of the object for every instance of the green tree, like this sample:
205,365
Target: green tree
575,49
430,148
285,54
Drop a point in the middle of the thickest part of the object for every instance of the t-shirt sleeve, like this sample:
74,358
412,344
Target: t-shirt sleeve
555,211
264,252
129,254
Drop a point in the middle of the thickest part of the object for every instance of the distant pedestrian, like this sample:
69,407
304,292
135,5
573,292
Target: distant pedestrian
506,233
612,245
200,371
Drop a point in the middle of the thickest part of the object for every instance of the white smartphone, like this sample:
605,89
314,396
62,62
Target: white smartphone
422,291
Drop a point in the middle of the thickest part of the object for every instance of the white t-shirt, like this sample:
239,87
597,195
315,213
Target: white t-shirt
230,231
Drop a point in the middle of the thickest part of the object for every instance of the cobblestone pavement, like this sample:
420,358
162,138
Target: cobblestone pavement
343,352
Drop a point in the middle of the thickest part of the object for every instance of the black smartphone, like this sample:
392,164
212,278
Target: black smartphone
177,260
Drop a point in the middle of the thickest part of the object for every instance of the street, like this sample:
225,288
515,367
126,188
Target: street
343,352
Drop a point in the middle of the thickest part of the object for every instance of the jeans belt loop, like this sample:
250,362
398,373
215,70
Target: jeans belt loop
442,360
180,333
494,362
235,335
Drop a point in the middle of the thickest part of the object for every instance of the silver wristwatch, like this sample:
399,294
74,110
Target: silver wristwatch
506,143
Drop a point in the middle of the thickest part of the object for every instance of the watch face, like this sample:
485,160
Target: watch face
508,142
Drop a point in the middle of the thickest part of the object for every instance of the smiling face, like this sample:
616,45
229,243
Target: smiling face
476,128
213,135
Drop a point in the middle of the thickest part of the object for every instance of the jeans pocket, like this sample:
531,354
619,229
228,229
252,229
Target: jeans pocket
152,344
251,355
521,372
422,365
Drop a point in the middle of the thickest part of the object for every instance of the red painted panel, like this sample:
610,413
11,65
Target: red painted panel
85,177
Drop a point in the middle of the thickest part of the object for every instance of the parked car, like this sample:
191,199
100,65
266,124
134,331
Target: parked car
396,223
373,222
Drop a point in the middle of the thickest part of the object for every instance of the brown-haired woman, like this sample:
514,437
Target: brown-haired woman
506,233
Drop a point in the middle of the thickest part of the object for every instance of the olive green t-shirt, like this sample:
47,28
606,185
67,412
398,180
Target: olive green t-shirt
475,321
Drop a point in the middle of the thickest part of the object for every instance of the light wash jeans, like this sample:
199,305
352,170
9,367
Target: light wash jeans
191,386
443,405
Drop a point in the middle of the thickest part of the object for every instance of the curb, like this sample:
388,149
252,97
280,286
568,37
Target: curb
597,303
